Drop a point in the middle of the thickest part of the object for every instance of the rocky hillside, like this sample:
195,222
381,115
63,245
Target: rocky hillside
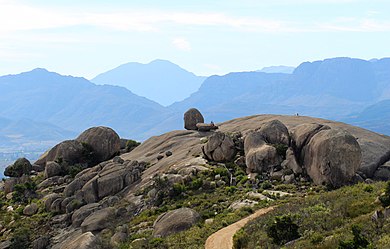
100,191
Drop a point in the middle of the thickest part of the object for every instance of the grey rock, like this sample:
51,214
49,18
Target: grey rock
288,179
118,159
175,221
49,199
275,132
42,242
291,162
332,157
70,151
104,141
382,173
253,140
49,182
81,214
219,148
52,169
261,159
191,118
20,167
118,238
84,241
5,244
98,220
206,127
242,203
30,209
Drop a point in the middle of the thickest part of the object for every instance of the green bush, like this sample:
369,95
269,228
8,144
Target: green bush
368,188
24,193
74,170
20,239
240,239
131,145
178,189
385,198
196,184
358,241
266,185
281,150
283,230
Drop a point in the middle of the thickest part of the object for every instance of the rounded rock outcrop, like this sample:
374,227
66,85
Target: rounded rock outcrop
52,169
191,118
175,221
261,159
104,141
219,148
69,151
22,166
275,132
332,157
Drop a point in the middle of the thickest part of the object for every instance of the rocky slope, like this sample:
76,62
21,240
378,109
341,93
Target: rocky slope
91,188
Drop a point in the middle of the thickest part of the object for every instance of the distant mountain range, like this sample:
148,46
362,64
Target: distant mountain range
44,106
160,80
277,69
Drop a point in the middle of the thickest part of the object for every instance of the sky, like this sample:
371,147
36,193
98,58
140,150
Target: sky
85,38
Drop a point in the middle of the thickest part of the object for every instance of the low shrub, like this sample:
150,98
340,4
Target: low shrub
283,230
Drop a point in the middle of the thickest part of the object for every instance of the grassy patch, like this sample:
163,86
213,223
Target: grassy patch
325,220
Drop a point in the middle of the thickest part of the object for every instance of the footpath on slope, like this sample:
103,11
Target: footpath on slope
223,239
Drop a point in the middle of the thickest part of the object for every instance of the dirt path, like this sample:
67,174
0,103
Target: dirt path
223,239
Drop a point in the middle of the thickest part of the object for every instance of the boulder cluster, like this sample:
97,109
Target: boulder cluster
83,203
326,156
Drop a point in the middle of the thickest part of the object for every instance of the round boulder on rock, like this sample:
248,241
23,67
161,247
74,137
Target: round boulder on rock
261,159
104,141
191,118
332,157
22,166
175,221
70,151
275,132
253,140
84,241
220,148
52,169
30,209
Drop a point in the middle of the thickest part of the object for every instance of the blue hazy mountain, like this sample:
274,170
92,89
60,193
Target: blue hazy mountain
160,80
375,117
332,88
76,104
277,69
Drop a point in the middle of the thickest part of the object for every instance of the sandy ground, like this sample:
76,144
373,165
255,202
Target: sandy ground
223,239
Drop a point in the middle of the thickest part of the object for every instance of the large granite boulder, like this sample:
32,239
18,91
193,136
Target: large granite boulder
191,118
84,241
332,157
301,135
253,140
98,220
219,148
104,141
52,169
82,213
22,166
262,159
275,132
69,151
175,221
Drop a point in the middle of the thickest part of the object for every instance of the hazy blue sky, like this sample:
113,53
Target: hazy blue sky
84,38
